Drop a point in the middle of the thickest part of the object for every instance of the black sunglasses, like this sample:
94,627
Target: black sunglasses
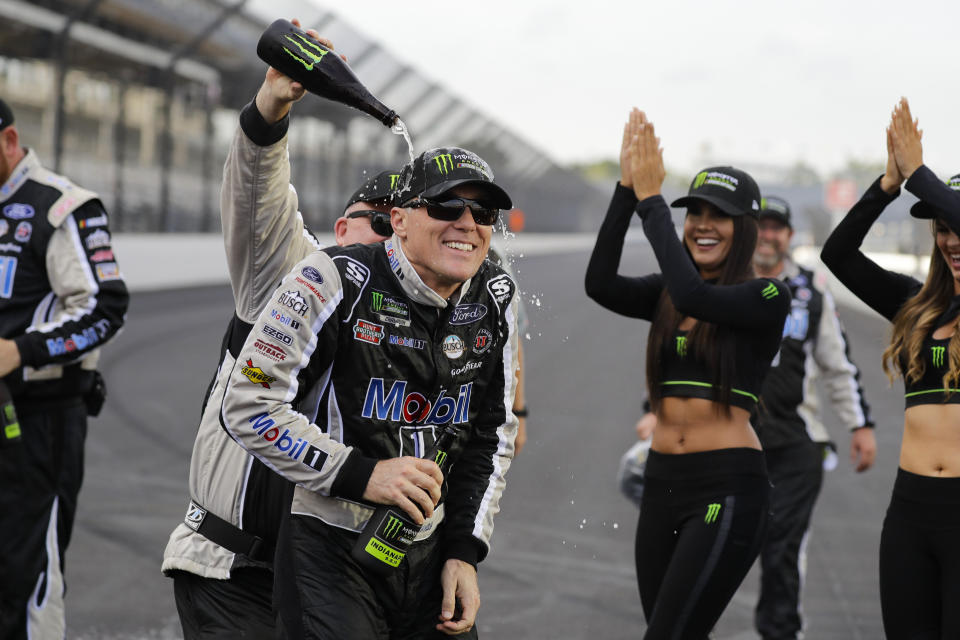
451,209
379,221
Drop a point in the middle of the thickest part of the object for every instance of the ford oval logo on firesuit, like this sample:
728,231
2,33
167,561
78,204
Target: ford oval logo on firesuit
414,407
467,313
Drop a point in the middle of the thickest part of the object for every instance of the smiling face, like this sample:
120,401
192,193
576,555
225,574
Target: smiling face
773,244
949,245
708,235
444,254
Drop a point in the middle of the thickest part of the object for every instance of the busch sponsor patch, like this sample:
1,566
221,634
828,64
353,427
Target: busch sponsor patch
482,341
23,232
256,375
367,331
300,449
452,347
467,313
276,334
295,302
108,271
97,239
18,211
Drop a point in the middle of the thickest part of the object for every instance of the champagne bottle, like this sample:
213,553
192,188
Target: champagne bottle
388,534
9,425
298,56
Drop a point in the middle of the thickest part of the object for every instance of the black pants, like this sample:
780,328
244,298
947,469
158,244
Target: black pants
920,559
796,473
240,607
40,478
341,600
702,519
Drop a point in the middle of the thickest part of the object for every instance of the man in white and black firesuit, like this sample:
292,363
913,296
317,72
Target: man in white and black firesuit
61,298
388,345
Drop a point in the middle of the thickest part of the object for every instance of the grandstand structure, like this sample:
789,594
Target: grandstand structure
138,100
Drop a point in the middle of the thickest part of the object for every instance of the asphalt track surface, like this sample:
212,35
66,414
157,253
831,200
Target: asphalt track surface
562,560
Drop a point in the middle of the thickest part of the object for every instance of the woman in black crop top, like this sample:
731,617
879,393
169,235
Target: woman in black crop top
715,329
920,542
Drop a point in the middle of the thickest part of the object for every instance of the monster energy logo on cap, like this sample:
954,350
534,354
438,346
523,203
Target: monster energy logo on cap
315,52
392,527
713,510
937,356
770,291
699,180
394,177
682,346
444,162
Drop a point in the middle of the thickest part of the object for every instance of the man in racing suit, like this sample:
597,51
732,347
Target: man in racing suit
794,440
221,555
61,299
387,344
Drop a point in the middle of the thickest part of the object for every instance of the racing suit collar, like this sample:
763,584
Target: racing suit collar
790,269
28,164
410,280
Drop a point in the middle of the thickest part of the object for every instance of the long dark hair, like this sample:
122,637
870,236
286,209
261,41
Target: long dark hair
708,342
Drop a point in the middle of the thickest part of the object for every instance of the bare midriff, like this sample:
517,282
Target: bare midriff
689,425
931,440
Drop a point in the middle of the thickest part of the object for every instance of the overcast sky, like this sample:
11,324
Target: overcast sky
752,81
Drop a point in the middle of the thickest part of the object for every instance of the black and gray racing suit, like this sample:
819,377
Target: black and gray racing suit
61,298
236,503
814,350
368,363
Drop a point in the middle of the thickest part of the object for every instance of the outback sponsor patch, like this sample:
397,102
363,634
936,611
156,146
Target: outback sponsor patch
467,313
452,347
23,232
97,239
276,334
367,331
404,341
108,271
272,351
256,375
18,211
501,288
295,302
96,221
482,341
101,255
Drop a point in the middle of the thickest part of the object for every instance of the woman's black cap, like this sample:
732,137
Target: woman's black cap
924,211
729,189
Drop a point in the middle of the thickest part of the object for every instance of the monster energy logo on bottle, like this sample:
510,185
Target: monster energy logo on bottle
700,179
444,163
682,346
315,53
938,355
440,458
377,301
713,510
392,528
770,292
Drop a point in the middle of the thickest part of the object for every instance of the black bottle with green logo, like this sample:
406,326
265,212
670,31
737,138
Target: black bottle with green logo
9,425
384,541
293,53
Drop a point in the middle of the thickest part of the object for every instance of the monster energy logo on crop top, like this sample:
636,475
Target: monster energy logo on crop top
937,356
717,178
770,291
682,346
444,162
954,183
315,53
713,510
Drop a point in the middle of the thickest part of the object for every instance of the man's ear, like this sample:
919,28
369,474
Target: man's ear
340,230
398,218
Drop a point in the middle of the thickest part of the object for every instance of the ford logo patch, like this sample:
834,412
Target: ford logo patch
18,211
312,274
467,313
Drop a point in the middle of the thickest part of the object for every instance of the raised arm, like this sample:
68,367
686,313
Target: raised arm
635,297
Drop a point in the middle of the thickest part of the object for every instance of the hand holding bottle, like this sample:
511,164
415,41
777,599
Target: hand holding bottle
413,484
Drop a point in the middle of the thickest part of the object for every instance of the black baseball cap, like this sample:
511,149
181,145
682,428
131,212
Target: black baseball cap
775,208
925,211
6,115
731,190
376,190
436,171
